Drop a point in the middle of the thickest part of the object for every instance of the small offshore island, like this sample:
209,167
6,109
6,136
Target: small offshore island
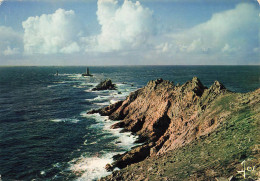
188,132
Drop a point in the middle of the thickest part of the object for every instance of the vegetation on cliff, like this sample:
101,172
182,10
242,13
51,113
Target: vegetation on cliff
189,132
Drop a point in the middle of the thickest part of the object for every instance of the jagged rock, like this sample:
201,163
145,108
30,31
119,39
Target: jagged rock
135,155
117,125
107,110
165,116
105,85
109,167
203,138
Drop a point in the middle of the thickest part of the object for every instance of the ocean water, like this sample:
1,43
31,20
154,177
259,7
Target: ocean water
45,133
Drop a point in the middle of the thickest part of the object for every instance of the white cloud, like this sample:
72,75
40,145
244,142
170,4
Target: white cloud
10,41
71,48
52,33
128,32
11,51
1,1
234,31
123,27
163,1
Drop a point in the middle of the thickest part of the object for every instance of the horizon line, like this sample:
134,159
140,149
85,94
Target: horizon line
123,65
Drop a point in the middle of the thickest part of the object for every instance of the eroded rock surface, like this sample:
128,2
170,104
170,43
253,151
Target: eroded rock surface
105,85
189,132
165,116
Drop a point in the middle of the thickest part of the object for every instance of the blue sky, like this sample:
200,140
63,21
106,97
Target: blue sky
129,32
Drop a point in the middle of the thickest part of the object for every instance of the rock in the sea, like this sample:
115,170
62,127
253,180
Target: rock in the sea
105,85
109,167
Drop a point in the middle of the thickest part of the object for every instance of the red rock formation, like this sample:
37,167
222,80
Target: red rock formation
165,116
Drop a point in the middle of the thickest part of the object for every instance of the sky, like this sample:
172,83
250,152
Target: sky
129,32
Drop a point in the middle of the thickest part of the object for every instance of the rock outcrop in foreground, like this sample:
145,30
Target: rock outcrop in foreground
105,85
170,118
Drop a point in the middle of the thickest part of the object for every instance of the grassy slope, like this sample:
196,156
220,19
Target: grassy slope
216,155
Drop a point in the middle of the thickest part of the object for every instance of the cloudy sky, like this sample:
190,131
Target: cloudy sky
129,32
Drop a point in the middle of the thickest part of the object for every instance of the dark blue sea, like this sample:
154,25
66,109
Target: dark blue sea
45,133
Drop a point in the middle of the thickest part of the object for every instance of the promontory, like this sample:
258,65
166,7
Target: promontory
188,132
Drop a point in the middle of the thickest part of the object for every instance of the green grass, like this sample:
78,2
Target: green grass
225,102
232,143
216,155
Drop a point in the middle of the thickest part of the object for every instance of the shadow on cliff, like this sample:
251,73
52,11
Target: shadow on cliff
167,117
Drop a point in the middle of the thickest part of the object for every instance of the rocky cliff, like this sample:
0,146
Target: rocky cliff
167,117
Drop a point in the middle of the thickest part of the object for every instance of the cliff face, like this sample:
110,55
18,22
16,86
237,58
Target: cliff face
166,116
227,135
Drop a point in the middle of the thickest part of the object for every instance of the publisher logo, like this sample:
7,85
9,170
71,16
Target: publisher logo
246,169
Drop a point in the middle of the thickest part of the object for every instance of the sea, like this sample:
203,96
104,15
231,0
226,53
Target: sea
46,133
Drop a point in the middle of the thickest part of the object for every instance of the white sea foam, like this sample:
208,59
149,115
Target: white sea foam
75,76
49,86
125,140
103,103
101,98
85,142
91,167
63,74
95,116
56,84
78,86
88,90
62,82
84,84
65,120
89,83
113,101
83,114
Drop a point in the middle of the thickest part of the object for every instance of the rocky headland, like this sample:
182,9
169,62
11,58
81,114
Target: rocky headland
188,132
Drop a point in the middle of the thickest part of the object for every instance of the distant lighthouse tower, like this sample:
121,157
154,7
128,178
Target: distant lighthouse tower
87,73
